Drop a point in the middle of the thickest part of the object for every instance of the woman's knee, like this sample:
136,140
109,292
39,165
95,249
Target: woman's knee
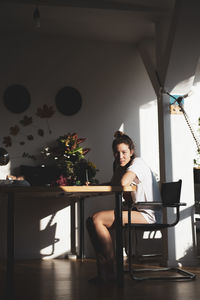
103,218
93,221
97,218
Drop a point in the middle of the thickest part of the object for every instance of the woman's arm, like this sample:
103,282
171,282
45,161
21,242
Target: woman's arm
128,178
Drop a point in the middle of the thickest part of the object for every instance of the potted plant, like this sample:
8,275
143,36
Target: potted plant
69,157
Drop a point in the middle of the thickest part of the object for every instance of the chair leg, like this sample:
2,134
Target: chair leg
185,275
182,275
164,247
129,241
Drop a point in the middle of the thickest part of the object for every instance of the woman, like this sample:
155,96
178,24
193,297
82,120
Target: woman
128,170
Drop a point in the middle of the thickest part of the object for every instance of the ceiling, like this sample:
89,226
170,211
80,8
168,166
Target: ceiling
126,21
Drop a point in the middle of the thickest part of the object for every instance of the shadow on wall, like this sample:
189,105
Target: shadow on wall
42,227
175,235
192,253
48,238
187,259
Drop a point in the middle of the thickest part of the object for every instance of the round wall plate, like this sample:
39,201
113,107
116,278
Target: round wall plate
17,98
68,101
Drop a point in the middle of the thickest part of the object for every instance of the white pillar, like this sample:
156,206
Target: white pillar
179,151
183,53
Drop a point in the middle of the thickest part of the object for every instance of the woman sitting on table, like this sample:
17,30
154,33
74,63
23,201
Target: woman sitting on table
128,170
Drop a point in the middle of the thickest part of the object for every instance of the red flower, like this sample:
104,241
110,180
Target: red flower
74,136
62,180
14,130
73,147
81,140
45,111
7,141
86,150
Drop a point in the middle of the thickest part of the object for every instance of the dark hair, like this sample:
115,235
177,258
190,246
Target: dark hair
120,138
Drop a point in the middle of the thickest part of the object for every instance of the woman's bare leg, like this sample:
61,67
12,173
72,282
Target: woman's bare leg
98,228
136,217
103,221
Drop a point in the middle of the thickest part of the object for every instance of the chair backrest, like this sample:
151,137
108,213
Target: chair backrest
170,193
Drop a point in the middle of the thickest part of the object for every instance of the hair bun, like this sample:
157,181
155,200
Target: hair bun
118,134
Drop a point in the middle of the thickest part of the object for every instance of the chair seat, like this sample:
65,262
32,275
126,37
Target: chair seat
147,227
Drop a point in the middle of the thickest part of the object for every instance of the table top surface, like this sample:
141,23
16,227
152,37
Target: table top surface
69,190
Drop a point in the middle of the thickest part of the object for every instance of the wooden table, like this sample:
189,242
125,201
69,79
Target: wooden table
80,192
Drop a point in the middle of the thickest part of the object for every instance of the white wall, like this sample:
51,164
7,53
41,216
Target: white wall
114,86
179,67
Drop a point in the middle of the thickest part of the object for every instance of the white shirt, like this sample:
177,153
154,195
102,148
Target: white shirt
147,189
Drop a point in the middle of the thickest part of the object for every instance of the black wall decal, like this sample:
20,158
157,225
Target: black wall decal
68,101
17,98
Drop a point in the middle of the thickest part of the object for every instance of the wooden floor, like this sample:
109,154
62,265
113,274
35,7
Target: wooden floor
61,279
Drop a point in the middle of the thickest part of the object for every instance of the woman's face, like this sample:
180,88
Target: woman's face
123,154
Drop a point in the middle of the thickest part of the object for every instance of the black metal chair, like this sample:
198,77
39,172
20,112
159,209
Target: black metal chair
170,195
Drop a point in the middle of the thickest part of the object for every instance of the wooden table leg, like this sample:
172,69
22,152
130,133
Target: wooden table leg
81,226
10,248
73,228
119,239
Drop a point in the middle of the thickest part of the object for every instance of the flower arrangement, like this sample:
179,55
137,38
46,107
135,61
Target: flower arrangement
69,157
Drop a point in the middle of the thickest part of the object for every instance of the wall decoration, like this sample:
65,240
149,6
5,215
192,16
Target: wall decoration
27,155
26,121
16,98
14,130
68,101
7,141
45,112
